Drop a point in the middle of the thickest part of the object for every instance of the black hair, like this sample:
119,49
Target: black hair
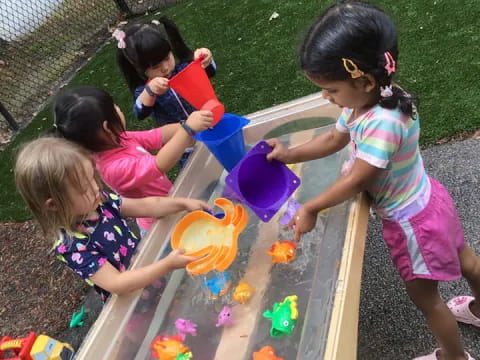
362,33
146,46
79,115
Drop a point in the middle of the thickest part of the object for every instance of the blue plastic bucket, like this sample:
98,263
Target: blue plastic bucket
225,141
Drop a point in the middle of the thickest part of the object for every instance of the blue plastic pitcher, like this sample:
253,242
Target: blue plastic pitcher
225,141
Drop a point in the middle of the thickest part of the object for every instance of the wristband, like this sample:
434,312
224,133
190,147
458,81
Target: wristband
149,91
187,128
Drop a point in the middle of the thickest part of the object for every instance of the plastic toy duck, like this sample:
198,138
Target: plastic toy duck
283,252
266,353
284,316
218,285
185,327
243,292
169,348
225,317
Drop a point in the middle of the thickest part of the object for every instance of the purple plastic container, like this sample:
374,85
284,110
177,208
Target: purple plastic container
264,186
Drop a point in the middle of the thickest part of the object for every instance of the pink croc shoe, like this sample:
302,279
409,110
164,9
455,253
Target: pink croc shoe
433,356
459,306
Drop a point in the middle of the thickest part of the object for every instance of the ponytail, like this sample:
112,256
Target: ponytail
133,77
401,99
179,48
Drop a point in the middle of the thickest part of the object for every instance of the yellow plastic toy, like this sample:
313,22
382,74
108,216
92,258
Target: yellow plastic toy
46,348
243,292
33,347
214,240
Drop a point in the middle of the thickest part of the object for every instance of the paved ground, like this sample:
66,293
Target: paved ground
390,327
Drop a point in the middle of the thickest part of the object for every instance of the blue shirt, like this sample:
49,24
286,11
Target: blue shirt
103,238
169,107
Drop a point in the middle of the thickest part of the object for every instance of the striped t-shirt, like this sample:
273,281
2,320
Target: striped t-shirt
388,139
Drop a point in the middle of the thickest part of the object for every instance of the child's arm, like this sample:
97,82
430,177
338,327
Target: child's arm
156,86
159,206
172,151
109,278
320,146
361,176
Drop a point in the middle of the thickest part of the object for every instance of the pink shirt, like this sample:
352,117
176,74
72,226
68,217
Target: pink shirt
131,169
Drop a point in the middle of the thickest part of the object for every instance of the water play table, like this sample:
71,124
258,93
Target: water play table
325,276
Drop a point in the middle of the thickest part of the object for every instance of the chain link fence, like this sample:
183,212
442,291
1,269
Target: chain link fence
43,41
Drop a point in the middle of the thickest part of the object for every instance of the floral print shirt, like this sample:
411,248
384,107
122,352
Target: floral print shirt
103,238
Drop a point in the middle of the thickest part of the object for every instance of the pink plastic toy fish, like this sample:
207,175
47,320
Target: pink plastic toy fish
225,317
185,327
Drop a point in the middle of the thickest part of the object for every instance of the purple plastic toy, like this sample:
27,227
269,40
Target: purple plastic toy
185,327
292,207
264,186
225,317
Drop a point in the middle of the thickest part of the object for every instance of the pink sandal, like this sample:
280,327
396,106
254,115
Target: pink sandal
460,308
433,356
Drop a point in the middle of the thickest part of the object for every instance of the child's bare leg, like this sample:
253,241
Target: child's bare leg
470,266
424,294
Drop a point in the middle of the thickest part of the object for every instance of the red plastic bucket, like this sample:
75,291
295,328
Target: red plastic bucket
193,84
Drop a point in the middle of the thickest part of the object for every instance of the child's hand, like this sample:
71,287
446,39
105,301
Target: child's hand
302,222
159,85
279,151
177,260
206,54
194,204
200,120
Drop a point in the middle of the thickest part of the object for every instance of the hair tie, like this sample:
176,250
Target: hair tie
390,65
386,91
120,36
352,68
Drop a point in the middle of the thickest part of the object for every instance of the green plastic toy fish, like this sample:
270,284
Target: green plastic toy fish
284,316
186,356
77,318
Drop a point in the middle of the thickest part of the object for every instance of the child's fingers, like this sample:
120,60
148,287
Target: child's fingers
297,234
272,142
205,206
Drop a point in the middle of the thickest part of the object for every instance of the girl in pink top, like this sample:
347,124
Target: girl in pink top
124,159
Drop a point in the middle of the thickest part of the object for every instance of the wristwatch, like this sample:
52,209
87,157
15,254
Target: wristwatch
187,128
149,91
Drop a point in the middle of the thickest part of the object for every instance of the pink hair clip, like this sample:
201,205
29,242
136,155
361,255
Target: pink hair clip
390,66
120,36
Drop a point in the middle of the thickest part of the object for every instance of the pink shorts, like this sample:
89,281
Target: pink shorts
428,244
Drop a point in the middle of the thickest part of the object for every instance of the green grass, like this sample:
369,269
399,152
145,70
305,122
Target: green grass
257,65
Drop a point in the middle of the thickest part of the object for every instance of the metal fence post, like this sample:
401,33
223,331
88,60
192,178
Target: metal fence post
11,121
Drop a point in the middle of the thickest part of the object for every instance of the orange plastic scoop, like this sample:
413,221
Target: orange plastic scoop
214,240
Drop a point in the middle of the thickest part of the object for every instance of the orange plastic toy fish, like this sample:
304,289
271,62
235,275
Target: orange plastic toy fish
211,239
266,353
283,252
169,348
243,292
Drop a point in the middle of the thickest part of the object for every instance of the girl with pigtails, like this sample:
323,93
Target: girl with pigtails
148,57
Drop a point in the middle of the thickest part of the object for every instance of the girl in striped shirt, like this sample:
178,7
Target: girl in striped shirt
351,53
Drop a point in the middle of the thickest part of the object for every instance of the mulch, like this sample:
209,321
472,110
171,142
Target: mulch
37,293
